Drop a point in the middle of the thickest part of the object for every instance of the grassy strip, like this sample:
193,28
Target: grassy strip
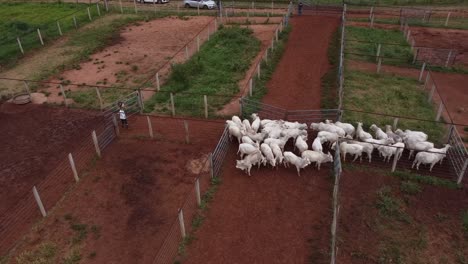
390,95
23,19
199,217
439,22
329,80
428,180
214,71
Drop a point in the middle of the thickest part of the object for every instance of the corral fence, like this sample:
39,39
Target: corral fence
16,220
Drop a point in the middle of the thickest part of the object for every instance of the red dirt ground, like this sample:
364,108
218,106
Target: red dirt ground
35,138
131,195
296,83
362,233
276,216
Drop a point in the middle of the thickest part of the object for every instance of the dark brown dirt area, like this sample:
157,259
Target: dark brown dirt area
127,202
296,82
380,222
35,138
274,216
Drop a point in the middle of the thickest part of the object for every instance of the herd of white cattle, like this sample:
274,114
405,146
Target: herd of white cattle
262,142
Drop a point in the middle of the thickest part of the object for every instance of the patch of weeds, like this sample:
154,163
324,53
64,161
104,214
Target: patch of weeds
390,206
188,239
465,221
329,83
45,253
410,187
208,196
359,255
197,221
73,258
430,180
96,230
92,255
391,254
134,68
68,217
81,232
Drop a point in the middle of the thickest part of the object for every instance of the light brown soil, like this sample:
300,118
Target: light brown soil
131,195
363,234
140,51
296,82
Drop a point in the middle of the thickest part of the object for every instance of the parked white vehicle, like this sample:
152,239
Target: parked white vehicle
153,1
203,4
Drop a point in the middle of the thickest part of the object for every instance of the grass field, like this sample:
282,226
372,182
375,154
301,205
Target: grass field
365,41
215,71
23,19
397,96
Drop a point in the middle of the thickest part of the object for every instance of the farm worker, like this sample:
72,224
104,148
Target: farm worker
122,115
299,8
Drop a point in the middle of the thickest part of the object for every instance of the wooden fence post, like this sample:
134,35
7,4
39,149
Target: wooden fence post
205,101
136,8
150,127
158,87
89,15
408,35
378,52
98,10
19,44
187,135
276,35
121,8
371,12
74,22
40,37
250,87
73,167
208,33
422,71
211,165
448,59
59,28
372,21
439,111
197,191
106,5
427,80
447,19
198,43
395,160
101,105
172,104
181,223
116,125
64,95
198,9
415,56
39,202
379,65
429,98
96,143
395,123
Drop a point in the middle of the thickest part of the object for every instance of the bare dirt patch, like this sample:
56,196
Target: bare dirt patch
140,51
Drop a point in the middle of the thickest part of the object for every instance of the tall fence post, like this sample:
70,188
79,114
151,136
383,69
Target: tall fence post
197,191
378,51
98,10
372,21
395,160
208,33
116,125
205,101
447,19
187,135
73,167
64,95
422,71
40,37
379,65
106,4
150,127
39,202
121,8
89,15
96,143
172,104
439,111
74,22
19,44
181,223
448,58
158,87
198,43
395,123
412,44
408,35
371,12
101,105
415,56
59,28
431,93
211,165
462,172
250,87
427,80
136,8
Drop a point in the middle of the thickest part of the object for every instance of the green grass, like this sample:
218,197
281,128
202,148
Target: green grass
465,221
401,52
428,180
391,95
45,253
329,80
214,71
73,258
23,19
410,187
391,206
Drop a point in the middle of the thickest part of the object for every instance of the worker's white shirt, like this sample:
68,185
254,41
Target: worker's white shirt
122,114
